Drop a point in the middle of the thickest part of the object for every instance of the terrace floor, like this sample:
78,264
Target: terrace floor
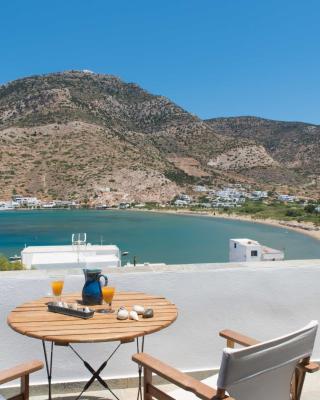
311,391
285,279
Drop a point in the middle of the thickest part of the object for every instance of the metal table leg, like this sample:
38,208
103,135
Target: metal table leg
96,374
48,362
140,349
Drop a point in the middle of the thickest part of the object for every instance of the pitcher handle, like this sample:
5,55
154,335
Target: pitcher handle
105,279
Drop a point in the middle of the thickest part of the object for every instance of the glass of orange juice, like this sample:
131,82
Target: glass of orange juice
107,294
57,283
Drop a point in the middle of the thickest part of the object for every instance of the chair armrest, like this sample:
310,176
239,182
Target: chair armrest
175,376
19,371
311,367
236,337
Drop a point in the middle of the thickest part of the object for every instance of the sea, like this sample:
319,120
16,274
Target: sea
149,237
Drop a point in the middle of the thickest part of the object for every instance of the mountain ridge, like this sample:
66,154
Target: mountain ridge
256,117
84,135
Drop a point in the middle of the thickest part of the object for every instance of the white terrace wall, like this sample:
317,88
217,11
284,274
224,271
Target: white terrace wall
260,299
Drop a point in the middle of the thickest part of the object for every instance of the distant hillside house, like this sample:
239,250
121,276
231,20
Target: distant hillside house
184,197
25,201
287,197
258,194
199,188
181,203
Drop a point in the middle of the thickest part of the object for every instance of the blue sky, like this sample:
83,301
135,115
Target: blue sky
212,57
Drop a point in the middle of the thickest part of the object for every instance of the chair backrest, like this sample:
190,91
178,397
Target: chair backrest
264,371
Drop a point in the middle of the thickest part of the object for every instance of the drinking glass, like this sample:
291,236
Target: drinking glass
107,294
57,283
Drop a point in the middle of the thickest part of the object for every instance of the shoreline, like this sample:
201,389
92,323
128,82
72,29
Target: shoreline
291,225
305,228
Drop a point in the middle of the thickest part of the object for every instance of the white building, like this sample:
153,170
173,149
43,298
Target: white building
286,197
140,205
181,203
185,197
26,201
251,250
71,256
259,194
50,204
224,204
7,205
200,189
123,206
230,194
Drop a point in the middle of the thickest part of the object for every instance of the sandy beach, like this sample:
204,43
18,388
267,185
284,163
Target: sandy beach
305,228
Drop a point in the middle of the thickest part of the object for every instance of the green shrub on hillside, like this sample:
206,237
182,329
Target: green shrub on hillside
310,208
279,211
252,207
180,177
294,212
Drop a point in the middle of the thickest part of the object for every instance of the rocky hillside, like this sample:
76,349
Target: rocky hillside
293,148
81,135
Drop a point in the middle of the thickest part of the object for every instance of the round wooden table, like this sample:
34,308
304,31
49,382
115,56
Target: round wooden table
34,320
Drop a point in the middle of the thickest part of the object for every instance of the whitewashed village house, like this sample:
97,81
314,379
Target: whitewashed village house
250,250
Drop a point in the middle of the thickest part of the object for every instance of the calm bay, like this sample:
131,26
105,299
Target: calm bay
151,237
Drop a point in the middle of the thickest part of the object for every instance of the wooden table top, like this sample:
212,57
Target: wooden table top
34,320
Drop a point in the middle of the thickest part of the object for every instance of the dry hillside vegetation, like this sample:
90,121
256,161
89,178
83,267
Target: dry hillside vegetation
79,135
59,161
294,145
188,165
245,157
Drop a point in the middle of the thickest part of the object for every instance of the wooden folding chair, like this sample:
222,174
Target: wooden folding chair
21,372
274,369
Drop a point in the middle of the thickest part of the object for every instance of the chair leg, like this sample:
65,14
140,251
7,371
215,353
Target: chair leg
25,387
147,380
299,381
221,394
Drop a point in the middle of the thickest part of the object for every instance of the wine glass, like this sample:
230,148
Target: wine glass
107,294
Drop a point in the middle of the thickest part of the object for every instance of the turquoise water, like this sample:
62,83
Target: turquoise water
151,237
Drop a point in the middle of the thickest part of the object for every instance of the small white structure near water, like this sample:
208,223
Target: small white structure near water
251,250
77,255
